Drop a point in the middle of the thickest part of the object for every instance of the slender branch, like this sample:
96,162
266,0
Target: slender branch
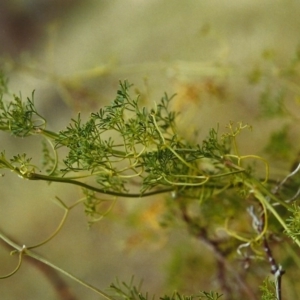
201,234
63,290
36,176
276,269
42,261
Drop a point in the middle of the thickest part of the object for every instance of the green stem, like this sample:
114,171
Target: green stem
35,176
24,250
83,283
62,222
262,198
269,194
280,220
47,133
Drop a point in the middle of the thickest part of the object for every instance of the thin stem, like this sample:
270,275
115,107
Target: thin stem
181,159
62,222
23,250
270,207
186,183
157,128
17,267
201,234
55,157
71,276
35,176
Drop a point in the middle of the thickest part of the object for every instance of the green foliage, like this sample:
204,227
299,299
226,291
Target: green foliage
142,145
268,290
127,291
202,295
20,118
208,185
293,223
3,84
132,292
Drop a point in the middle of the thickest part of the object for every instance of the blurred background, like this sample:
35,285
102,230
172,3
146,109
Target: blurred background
217,56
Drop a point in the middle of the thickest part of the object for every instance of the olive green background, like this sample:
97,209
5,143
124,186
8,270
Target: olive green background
157,45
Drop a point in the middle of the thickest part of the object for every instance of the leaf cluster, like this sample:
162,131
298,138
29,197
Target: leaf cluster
143,142
131,292
120,146
268,290
123,145
20,118
293,223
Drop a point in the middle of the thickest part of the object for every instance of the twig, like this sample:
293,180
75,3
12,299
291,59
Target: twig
58,283
201,233
276,269
60,286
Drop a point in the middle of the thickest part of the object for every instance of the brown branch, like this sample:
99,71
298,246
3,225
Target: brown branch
219,254
258,223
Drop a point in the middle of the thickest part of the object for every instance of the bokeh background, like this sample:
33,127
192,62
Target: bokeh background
73,54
